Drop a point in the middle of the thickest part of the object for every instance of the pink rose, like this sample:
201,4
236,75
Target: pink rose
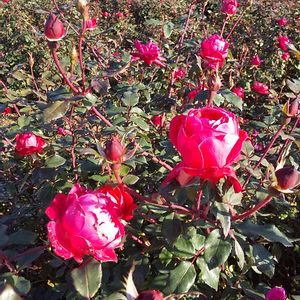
282,21
213,51
178,73
63,132
106,14
283,41
85,223
54,28
150,295
28,143
260,88
119,15
149,53
209,141
229,7
239,91
276,293
256,61
91,24
285,56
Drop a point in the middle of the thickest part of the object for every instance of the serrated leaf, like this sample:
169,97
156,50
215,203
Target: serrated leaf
181,279
54,161
216,249
87,278
183,248
209,276
269,232
168,28
140,123
130,179
263,260
130,98
55,111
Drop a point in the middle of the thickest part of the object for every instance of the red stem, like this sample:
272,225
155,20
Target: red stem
101,117
80,54
252,211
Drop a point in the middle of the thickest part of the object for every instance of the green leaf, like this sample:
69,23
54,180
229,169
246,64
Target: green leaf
130,179
87,278
171,228
224,217
232,98
269,232
54,161
59,94
140,123
168,28
183,248
25,259
210,277
216,249
181,279
130,98
239,253
19,283
21,237
89,100
56,110
263,260
8,293
24,121
294,85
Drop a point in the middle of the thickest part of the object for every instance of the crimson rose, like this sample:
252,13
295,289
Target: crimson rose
28,143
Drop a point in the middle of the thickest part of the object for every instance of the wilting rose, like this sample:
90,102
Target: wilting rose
256,61
84,223
214,51
229,7
91,24
149,53
54,28
178,73
28,143
150,295
260,88
282,21
123,202
285,56
276,293
209,141
239,91
158,121
283,41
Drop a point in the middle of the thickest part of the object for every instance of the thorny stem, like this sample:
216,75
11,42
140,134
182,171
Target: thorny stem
253,210
101,117
266,152
81,37
53,47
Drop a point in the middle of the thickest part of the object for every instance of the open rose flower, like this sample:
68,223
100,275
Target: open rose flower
283,41
28,143
158,121
178,73
260,88
86,223
214,51
229,7
123,202
209,141
54,28
239,91
276,293
149,53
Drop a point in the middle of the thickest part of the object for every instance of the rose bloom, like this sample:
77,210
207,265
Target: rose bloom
91,24
106,14
119,15
7,111
157,121
88,222
239,91
149,53
256,61
283,41
276,293
213,51
150,295
54,28
209,141
28,143
285,56
260,88
178,73
229,7
282,21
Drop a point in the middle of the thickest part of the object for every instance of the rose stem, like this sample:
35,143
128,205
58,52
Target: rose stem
80,54
224,24
53,47
253,210
266,152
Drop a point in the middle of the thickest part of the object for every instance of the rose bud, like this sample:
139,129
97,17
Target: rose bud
54,28
28,143
82,7
287,178
150,295
114,150
276,293
282,21
285,56
256,61
85,222
291,110
239,91
260,88
106,14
